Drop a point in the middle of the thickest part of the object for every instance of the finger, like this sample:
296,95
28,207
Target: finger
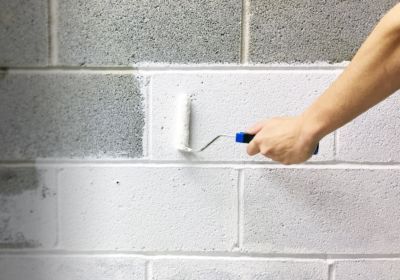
255,128
267,153
252,148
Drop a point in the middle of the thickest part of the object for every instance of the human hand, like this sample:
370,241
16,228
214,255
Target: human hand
287,140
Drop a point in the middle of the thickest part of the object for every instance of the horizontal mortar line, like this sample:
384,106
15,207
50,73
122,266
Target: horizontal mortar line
199,67
56,70
200,164
203,255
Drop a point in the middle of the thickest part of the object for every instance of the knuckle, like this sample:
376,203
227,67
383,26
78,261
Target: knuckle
266,151
265,155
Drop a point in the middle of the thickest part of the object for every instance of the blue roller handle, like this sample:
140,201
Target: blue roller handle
242,137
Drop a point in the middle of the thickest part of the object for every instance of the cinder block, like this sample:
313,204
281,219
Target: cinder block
374,136
310,31
70,115
367,270
27,208
71,268
322,211
125,32
228,102
24,32
148,209
237,269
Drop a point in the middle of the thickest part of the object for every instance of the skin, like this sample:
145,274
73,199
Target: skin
372,76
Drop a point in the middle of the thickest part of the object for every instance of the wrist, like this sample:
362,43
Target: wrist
313,128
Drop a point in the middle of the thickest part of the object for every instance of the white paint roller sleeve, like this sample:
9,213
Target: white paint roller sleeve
182,132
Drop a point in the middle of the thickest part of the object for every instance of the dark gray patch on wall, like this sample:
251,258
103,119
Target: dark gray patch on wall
123,32
19,243
70,116
309,30
10,237
13,182
3,72
27,207
23,32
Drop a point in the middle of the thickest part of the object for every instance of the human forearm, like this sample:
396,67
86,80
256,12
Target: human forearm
373,75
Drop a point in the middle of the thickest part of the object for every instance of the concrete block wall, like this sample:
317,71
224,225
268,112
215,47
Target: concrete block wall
91,186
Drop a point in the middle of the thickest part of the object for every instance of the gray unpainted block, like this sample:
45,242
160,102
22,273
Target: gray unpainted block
125,32
23,32
71,268
309,30
70,115
16,181
28,208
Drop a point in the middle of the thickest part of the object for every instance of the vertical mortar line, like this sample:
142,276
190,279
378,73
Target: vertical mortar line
52,32
331,270
237,213
240,208
335,135
245,32
148,274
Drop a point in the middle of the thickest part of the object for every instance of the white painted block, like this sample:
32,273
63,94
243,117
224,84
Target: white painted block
374,136
142,209
28,209
236,269
367,270
228,102
322,211
71,268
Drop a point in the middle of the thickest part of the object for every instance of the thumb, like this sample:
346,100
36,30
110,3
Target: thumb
252,149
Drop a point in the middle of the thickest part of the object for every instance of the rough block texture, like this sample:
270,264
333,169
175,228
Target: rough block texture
229,102
322,211
91,183
125,32
309,31
23,32
70,115
214,269
374,136
367,270
175,209
71,268
28,208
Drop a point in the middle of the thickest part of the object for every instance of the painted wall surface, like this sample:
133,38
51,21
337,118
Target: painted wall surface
91,186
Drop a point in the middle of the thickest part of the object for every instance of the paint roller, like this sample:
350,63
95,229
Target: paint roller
183,129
